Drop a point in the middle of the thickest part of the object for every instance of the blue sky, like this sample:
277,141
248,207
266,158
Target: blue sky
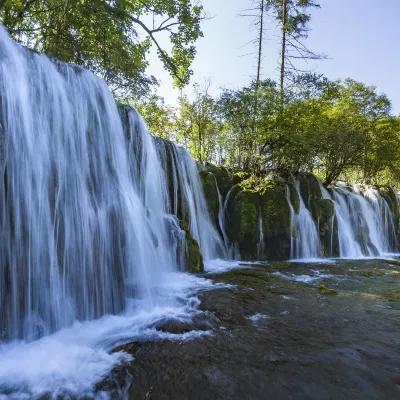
361,37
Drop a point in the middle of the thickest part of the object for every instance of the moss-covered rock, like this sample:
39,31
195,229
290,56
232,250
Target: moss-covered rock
323,211
294,197
244,223
276,220
322,289
309,188
388,193
222,176
193,258
210,193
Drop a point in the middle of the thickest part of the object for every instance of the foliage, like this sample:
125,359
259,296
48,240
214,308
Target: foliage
158,116
336,129
109,37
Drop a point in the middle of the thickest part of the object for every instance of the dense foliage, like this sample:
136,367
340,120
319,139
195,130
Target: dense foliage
110,37
336,129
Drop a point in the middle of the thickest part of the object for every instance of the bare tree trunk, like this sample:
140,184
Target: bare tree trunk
283,51
260,43
260,39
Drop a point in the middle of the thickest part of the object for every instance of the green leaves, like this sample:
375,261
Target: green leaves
110,37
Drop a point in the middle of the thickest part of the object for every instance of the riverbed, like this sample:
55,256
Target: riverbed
279,330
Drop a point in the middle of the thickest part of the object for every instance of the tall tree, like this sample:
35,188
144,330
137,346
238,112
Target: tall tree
293,18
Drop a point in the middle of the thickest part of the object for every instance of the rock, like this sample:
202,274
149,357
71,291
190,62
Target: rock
244,223
388,193
211,194
294,197
323,212
193,257
222,177
322,289
276,219
309,188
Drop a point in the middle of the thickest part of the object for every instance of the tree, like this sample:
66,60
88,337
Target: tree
236,106
293,19
158,116
198,124
110,37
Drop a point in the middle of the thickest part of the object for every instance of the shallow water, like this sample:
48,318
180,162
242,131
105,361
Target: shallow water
280,338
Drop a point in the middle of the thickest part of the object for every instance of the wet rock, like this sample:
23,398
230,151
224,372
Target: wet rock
244,223
193,257
211,194
222,176
276,220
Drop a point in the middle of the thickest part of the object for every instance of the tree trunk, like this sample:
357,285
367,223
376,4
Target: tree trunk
260,39
283,51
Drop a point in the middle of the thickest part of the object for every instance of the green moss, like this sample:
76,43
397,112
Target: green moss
323,209
276,219
244,219
309,188
193,257
322,289
280,264
222,176
210,193
294,197
370,273
393,295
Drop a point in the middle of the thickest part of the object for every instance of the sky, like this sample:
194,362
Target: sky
360,37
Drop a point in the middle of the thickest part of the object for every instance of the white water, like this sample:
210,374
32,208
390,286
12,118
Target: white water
260,244
72,360
188,195
305,241
86,229
365,223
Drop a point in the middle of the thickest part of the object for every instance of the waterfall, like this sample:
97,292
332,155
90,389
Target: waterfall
383,221
305,242
348,244
86,221
233,251
366,225
186,191
260,244
221,219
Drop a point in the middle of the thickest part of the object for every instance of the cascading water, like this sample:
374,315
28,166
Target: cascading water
188,200
221,218
305,242
86,224
365,223
348,244
383,220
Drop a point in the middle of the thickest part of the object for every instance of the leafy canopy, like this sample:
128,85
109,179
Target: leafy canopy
110,37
